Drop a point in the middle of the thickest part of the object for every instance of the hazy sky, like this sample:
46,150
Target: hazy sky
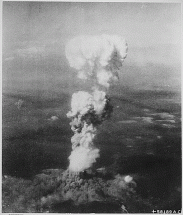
35,34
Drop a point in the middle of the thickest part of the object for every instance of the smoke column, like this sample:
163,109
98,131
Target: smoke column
98,59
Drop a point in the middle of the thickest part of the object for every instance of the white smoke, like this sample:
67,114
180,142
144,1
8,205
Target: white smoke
98,58
87,111
82,158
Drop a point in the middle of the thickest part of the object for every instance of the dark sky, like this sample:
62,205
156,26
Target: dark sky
35,34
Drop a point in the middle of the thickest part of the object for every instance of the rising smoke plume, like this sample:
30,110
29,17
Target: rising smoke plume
99,59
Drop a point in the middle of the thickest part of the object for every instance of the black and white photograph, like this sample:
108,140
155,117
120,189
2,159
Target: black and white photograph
91,107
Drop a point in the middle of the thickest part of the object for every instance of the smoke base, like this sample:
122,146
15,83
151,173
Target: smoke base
54,187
